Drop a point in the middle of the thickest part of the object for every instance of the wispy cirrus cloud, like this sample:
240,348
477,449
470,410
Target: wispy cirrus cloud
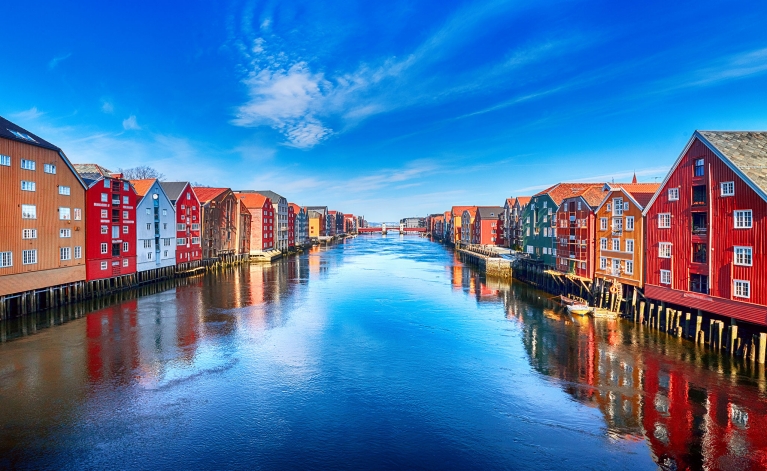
57,60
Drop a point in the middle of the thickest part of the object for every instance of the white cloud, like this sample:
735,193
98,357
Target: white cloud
27,115
58,59
130,123
107,107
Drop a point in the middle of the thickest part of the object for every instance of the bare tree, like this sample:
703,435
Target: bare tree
141,172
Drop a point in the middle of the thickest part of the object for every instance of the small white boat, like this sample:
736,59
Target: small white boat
580,309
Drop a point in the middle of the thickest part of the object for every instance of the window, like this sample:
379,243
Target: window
699,252
125,246
125,186
78,214
743,256
125,229
673,194
64,190
29,257
664,250
147,243
181,226
149,226
165,253
28,211
49,168
164,212
149,255
616,244
116,253
125,200
148,212
5,160
630,223
743,219
104,265
618,204
183,218
166,242
106,183
630,245
6,259
728,188
699,167
65,214
603,263
27,164
29,234
626,206
183,206
742,288
165,225
115,232
104,247
104,214
579,205
664,220
603,224
65,233
78,252
629,267
65,253
609,207
104,230
188,196
617,224
125,262
603,243
181,241
665,277
196,240
125,214
27,186
699,194
104,198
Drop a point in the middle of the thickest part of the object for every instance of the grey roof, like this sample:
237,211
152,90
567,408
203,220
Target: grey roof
271,195
319,209
317,213
487,212
173,189
746,150
91,172
7,130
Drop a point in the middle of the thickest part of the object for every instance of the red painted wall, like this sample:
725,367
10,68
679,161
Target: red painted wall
116,265
584,229
721,237
188,213
291,226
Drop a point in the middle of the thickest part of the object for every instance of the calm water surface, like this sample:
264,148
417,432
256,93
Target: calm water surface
376,353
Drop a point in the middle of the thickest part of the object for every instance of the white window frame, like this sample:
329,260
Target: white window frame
630,245
741,289
78,214
603,224
28,185
664,218
673,194
65,233
104,214
665,277
6,259
629,267
104,198
65,190
49,168
629,223
29,257
65,214
65,253
616,245
104,265
745,214
125,200
78,252
29,233
664,249
603,263
5,160
727,188
104,248
28,211
27,164
743,256
125,262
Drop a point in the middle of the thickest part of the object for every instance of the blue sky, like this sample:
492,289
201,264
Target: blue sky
386,109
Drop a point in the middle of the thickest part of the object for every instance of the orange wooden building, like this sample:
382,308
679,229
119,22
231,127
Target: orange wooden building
42,223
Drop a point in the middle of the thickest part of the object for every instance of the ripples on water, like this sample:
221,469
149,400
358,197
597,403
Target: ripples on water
376,353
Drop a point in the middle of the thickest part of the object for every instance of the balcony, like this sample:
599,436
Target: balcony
699,195
699,224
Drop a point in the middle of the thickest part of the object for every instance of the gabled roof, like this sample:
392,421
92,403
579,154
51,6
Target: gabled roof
205,194
746,150
93,172
14,132
173,189
509,202
458,210
142,186
523,200
319,209
314,214
489,212
252,200
472,210
560,191
296,208
641,193
271,195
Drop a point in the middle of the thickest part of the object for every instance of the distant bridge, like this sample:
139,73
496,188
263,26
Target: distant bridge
384,229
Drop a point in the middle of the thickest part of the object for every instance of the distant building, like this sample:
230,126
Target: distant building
301,225
317,221
487,228
512,220
280,204
323,224
220,214
413,222
244,228
262,220
467,224
188,216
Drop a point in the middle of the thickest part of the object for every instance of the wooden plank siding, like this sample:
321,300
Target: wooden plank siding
720,236
49,270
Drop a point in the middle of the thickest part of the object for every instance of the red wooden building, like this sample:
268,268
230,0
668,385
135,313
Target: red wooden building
291,225
706,245
261,223
575,247
188,242
110,223
487,228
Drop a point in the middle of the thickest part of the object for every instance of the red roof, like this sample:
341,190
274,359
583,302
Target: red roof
253,200
205,194
523,200
458,210
560,191
296,208
641,192
142,186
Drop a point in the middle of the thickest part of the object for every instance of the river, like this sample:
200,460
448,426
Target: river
376,353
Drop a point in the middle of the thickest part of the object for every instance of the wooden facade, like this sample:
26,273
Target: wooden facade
38,249
261,221
110,212
487,228
220,213
696,223
620,233
576,232
467,225
244,230
188,216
